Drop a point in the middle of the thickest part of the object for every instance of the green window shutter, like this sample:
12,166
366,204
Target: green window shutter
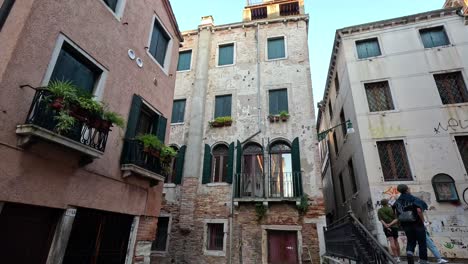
238,168
133,116
223,105
206,178
276,48
226,54
161,128
283,100
278,101
230,165
185,58
296,166
180,165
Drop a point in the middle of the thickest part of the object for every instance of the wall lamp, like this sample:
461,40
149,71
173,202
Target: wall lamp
349,130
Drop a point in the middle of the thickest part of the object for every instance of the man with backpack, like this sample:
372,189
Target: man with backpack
409,211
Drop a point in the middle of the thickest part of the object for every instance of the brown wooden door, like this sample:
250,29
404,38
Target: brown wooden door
282,247
26,233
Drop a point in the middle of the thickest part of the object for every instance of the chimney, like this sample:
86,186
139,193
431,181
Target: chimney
207,21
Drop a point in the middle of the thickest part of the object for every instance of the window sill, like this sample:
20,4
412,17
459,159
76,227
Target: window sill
159,253
214,253
454,105
216,184
177,124
394,182
440,47
277,59
384,113
182,71
370,58
170,185
225,65
166,72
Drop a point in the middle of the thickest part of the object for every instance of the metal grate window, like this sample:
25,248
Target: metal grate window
258,13
379,97
462,143
215,237
452,88
289,9
394,161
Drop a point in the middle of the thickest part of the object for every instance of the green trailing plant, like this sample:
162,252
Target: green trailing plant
114,118
64,122
303,205
63,89
284,114
221,121
167,153
260,210
91,105
150,141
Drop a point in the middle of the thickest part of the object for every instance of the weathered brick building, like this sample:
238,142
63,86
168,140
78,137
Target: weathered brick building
84,194
245,186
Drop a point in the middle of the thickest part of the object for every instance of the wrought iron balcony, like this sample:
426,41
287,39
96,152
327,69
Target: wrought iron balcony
41,123
144,163
280,186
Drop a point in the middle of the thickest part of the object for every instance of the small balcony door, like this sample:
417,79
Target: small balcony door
281,176
252,180
282,247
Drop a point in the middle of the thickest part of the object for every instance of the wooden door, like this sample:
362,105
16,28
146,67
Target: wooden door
282,247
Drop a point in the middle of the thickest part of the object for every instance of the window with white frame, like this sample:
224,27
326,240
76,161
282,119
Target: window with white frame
159,43
368,48
276,48
434,37
226,54
215,234
394,160
116,6
185,60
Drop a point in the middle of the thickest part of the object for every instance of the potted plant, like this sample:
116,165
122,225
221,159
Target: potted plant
61,93
227,120
273,118
167,153
218,122
284,115
64,122
151,144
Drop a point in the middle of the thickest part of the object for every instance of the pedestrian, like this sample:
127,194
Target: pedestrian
432,247
386,216
409,211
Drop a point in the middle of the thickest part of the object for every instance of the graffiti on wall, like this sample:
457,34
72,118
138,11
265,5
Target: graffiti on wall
452,125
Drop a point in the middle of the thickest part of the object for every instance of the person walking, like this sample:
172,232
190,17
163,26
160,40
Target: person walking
432,247
409,211
386,216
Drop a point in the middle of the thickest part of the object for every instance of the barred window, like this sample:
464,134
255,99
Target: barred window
215,237
394,161
258,13
462,143
379,96
452,88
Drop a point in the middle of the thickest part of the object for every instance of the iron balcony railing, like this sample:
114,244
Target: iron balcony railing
134,153
43,115
348,238
279,185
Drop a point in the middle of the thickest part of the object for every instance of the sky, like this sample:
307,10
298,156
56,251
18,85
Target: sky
325,18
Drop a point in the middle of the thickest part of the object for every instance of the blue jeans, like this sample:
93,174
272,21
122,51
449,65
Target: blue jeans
416,234
432,247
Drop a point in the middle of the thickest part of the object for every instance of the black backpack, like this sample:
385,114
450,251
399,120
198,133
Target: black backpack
405,211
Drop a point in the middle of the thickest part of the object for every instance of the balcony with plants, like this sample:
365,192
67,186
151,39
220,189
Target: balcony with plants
222,121
66,115
283,116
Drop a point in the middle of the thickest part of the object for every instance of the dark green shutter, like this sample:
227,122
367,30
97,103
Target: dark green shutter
283,101
238,168
161,128
206,178
180,165
230,165
296,166
133,116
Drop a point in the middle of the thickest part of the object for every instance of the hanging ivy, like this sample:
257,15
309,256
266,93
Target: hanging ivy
260,210
303,206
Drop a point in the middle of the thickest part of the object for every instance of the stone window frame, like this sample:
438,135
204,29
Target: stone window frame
168,239
457,150
464,78
216,253
411,166
191,59
286,54
433,26
395,102
119,9
379,41
98,90
234,57
170,45
265,229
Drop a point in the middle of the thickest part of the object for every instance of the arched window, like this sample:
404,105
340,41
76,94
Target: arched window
251,180
444,188
171,175
281,181
219,163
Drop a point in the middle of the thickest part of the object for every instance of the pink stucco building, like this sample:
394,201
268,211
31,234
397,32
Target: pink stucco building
86,195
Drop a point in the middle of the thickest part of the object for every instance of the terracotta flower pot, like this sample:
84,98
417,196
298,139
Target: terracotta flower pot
228,123
105,126
216,124
57,103
284,118
79,113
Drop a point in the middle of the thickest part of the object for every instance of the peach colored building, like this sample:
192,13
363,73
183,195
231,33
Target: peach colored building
86,195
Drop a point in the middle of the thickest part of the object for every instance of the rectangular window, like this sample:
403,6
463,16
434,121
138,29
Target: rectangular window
342,188
223,105
352,175
276,48
258,13
289,9
160,244
146,120
112,4
337,84
394,161
185,59
368,48
462,143
434,37
178,111
74,67
5,9
343,123
220,163
159,42
379,97
215,237
330,109
278,101
226,54
452,88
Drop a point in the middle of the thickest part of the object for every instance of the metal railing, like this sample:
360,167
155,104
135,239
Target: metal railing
134,153
43,115
279,185
348,238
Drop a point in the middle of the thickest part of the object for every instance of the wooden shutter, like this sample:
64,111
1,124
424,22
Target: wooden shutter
276,48
180,165
227,105
226,54
230,165
273,103
206,177
283,100
238,168
133,116
296,166
161,128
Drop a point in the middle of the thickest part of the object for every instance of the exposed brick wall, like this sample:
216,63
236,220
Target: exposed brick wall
147,228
